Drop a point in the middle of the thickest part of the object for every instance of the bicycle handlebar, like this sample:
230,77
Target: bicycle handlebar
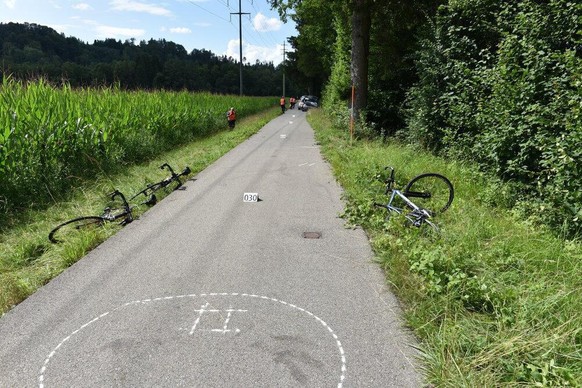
166,165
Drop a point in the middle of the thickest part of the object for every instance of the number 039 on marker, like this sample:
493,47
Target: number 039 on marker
251,197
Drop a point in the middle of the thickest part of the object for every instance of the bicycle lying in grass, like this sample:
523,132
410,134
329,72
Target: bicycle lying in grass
123,213
87,222
433,194
151,188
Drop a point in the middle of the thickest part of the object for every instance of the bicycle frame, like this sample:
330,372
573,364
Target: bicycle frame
153,187
417,216
126,212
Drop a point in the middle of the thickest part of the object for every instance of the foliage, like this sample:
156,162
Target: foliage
34,50
392,46
51,138
311,58
337,89
500,83
493,299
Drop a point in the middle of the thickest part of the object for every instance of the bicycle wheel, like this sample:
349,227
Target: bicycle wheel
430,191
72,226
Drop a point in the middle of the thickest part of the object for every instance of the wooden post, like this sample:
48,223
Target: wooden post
352,115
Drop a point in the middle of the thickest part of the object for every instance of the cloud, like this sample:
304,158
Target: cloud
138,6
180,30
10,3
118,32
82,7
252,53
262,23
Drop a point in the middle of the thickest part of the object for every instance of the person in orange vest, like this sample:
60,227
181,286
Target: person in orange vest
231,116
292,103
282,104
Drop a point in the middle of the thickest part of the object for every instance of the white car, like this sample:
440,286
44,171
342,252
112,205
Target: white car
310,101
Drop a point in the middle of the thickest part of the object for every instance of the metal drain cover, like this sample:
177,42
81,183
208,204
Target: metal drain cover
312,235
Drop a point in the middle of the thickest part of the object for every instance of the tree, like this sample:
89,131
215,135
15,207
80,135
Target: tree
361,22
29,50
360,35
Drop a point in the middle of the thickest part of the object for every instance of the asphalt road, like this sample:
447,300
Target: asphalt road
205,290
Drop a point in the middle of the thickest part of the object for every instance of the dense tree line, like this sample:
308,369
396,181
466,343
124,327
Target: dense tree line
32,50
494,82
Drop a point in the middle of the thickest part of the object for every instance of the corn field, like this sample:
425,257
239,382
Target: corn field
52,138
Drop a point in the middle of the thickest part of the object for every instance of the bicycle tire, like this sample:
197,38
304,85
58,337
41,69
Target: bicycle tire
431,191
75,224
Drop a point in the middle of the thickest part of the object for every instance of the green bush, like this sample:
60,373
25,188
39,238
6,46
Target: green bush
501,83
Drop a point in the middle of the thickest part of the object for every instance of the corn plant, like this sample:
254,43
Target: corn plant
51,138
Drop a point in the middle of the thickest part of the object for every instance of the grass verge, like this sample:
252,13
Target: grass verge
28,260
494,300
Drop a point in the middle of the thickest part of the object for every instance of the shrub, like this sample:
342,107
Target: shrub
500,83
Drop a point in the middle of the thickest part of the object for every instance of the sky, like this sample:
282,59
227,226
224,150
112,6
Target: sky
195,24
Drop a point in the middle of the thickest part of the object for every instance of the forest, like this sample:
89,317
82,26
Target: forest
31,50
486,81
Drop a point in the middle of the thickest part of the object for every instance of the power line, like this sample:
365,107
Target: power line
269,34
210,12
253,33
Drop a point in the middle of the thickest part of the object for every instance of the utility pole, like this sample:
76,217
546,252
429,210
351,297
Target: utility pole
240,13
283,69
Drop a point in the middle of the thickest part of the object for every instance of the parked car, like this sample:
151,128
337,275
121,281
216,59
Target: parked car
309,101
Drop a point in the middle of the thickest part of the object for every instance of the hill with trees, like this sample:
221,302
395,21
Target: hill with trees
32,50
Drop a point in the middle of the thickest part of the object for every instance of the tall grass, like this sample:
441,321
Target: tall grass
494,299
51,138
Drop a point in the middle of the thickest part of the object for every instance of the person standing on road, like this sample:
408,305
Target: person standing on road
282,104
292,102
231,117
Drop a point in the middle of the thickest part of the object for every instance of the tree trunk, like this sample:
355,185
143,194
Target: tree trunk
361,22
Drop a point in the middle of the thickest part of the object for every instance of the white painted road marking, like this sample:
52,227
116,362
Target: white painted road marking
198,319
225,329
203,309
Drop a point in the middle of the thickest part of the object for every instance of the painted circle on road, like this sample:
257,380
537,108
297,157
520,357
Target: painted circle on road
211,339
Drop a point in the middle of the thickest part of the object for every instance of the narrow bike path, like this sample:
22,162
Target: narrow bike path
205,290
